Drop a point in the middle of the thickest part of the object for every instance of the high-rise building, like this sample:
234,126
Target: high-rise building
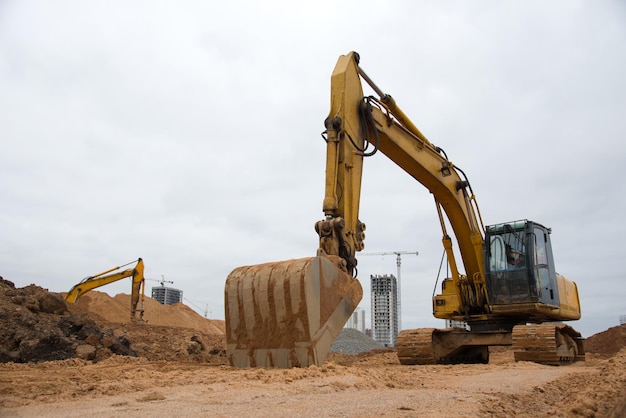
384,309
167,295
357,320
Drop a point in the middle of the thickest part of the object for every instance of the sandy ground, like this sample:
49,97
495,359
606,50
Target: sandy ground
367,385
180,370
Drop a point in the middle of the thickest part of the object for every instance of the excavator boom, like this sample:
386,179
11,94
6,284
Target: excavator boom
102,279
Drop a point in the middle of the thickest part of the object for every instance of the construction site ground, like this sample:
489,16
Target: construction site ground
89,359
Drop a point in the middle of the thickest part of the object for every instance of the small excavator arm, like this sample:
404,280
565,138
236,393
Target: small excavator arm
102,279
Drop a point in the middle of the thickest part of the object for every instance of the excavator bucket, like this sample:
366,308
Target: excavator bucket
288,313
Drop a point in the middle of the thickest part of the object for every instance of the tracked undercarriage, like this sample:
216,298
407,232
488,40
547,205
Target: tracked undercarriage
552,344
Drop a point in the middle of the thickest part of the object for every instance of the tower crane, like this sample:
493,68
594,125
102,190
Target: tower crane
399,255
162,281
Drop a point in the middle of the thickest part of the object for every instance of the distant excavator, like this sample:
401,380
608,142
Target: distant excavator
102,279
288,313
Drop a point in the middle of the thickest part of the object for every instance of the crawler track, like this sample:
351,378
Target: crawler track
553,344
415,346
445,346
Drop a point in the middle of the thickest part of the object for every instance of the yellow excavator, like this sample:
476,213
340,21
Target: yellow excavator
288,313
101,279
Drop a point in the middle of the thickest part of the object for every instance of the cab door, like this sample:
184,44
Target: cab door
544,273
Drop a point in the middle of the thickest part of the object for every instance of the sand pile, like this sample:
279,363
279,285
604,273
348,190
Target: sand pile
168,333
610,341
117,309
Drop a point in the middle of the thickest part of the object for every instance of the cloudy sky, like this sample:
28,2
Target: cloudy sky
188,134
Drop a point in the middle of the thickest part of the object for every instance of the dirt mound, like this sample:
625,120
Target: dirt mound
580,394
117,309
609,342
38,325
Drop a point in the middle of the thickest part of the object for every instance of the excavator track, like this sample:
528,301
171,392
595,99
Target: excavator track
552,344
445,346
415,346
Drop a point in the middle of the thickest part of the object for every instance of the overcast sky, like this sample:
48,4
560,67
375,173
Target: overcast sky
188,133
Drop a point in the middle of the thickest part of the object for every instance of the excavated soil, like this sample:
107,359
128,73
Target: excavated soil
61,360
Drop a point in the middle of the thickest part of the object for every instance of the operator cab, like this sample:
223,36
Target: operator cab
519,264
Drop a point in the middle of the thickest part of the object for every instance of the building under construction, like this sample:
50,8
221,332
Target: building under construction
167,295
385,309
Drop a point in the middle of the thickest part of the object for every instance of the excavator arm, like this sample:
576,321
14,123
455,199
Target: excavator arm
104,278
355,123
